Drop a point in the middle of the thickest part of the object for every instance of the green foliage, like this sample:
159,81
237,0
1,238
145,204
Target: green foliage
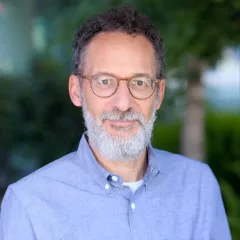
197,28
224,131
38,120
232,203
166,137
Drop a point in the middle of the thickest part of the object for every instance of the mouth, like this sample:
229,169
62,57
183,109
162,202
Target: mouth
121,123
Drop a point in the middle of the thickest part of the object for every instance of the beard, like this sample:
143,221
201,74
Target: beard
127,147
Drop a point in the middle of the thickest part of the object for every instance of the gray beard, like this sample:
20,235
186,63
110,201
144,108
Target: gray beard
119,148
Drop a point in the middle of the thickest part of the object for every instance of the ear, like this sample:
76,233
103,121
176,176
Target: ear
161,90
74,90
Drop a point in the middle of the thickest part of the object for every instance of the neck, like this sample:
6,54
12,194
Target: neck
129,171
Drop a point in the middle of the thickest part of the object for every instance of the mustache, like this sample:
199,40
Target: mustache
129,115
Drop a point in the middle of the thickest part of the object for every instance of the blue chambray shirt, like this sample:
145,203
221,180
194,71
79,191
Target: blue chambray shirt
74,198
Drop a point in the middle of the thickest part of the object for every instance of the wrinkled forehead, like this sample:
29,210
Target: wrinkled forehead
120,53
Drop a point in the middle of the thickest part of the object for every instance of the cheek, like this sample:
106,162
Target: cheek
95,105
147,108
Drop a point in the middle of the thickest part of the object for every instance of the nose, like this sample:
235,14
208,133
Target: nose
122,99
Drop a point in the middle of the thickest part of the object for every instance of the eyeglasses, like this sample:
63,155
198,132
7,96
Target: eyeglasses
105,85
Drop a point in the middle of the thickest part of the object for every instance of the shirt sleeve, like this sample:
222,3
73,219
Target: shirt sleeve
212,219
15,223
220,228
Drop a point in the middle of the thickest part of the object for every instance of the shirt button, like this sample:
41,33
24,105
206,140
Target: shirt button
114,178
107,186
133,206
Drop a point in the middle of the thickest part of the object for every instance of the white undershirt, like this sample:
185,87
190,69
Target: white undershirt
133,185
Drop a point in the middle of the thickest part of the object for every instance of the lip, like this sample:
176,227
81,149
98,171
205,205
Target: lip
121,122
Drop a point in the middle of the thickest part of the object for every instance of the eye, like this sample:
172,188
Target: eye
140,83
105,81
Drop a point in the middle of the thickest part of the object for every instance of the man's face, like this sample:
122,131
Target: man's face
121,118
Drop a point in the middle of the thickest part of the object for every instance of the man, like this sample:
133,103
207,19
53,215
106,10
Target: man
116,186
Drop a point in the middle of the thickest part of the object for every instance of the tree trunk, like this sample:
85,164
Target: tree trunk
193,134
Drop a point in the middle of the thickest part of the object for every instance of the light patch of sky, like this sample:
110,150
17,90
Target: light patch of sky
225,78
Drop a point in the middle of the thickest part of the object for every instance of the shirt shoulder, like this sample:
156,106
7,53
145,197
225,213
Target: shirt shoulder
177,160
186,170
40,183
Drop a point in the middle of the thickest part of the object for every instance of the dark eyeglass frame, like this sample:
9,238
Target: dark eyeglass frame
128,79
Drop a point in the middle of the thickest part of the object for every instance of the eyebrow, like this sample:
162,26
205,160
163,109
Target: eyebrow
137,74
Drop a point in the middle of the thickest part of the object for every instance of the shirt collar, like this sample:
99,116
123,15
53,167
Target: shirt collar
90,164
101,175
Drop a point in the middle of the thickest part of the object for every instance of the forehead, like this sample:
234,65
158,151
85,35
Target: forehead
120,53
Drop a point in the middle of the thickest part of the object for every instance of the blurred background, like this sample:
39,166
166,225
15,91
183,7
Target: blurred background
200,115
